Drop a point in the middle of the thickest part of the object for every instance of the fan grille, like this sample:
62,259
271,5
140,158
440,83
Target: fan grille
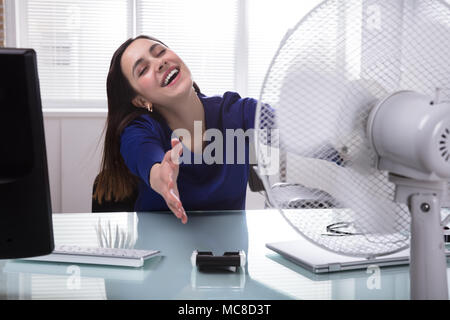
315,100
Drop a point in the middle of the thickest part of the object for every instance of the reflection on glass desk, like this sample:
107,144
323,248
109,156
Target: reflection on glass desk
266,275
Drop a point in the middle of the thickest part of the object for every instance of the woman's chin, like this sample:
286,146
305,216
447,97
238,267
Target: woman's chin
182,87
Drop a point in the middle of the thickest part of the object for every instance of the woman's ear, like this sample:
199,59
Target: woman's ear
142,103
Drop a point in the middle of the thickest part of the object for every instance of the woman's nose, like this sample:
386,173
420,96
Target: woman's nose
162,65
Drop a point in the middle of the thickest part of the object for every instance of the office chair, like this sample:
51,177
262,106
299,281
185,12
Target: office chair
254,182
289,195
126,205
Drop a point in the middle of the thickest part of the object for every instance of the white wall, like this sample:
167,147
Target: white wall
74,153
74,146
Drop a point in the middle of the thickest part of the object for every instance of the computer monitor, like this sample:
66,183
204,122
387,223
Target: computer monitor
25,207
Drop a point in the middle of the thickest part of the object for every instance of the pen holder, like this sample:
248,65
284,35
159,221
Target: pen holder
112,235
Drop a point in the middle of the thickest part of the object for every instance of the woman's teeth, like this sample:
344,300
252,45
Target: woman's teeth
172,74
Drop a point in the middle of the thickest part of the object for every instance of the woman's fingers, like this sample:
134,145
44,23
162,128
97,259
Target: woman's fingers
173,202
184,217
177,212
175,205
170,168
176,152
183,212
175,196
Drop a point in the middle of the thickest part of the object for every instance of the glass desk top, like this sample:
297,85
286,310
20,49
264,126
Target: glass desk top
170,275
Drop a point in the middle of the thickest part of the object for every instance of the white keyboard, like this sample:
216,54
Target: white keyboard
103,256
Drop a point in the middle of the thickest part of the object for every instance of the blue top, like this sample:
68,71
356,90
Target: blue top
202,186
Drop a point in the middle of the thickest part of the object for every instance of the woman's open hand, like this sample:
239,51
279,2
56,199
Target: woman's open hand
163,179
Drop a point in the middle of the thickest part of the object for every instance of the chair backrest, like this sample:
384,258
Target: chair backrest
126,205
254,182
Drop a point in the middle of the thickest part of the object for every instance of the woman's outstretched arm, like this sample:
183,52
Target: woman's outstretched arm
163,179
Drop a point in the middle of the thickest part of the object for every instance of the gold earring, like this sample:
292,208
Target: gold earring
149,107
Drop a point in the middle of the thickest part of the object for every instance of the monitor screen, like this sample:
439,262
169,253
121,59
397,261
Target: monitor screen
25,207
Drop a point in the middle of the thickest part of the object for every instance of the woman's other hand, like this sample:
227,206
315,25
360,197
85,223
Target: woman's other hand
163,179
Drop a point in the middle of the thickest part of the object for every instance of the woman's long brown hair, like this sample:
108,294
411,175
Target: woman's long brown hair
115,181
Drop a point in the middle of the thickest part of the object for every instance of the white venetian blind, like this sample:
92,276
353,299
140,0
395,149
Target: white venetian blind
2,26
74,41
268,22
202,32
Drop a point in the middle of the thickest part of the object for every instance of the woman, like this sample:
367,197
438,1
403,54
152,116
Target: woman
151,94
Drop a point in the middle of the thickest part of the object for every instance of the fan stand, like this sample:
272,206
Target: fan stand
428,264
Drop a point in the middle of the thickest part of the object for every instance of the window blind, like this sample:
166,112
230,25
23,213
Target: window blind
202,32
268,22
74,41
2,26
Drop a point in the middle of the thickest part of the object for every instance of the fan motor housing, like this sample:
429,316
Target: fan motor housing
411,136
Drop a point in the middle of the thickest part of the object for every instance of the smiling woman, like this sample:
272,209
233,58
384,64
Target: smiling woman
151,96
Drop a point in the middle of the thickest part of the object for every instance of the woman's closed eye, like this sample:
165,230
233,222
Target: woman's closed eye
143,70
161,52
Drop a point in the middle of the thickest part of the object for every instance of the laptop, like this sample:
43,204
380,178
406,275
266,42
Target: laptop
318,260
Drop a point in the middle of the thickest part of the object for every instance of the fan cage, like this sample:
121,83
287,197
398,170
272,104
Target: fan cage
329,71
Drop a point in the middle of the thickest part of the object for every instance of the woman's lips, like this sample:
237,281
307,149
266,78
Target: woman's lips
174,80
167,73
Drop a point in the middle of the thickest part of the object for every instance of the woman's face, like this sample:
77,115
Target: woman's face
157,74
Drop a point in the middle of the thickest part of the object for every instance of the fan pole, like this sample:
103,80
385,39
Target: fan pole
428,265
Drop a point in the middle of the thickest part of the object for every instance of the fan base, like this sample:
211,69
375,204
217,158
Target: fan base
428,271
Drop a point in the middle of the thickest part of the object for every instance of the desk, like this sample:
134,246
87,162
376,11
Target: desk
171,276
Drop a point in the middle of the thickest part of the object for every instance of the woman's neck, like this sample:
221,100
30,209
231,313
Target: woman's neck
183,115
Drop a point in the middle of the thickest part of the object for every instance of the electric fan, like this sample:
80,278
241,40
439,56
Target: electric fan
354,112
